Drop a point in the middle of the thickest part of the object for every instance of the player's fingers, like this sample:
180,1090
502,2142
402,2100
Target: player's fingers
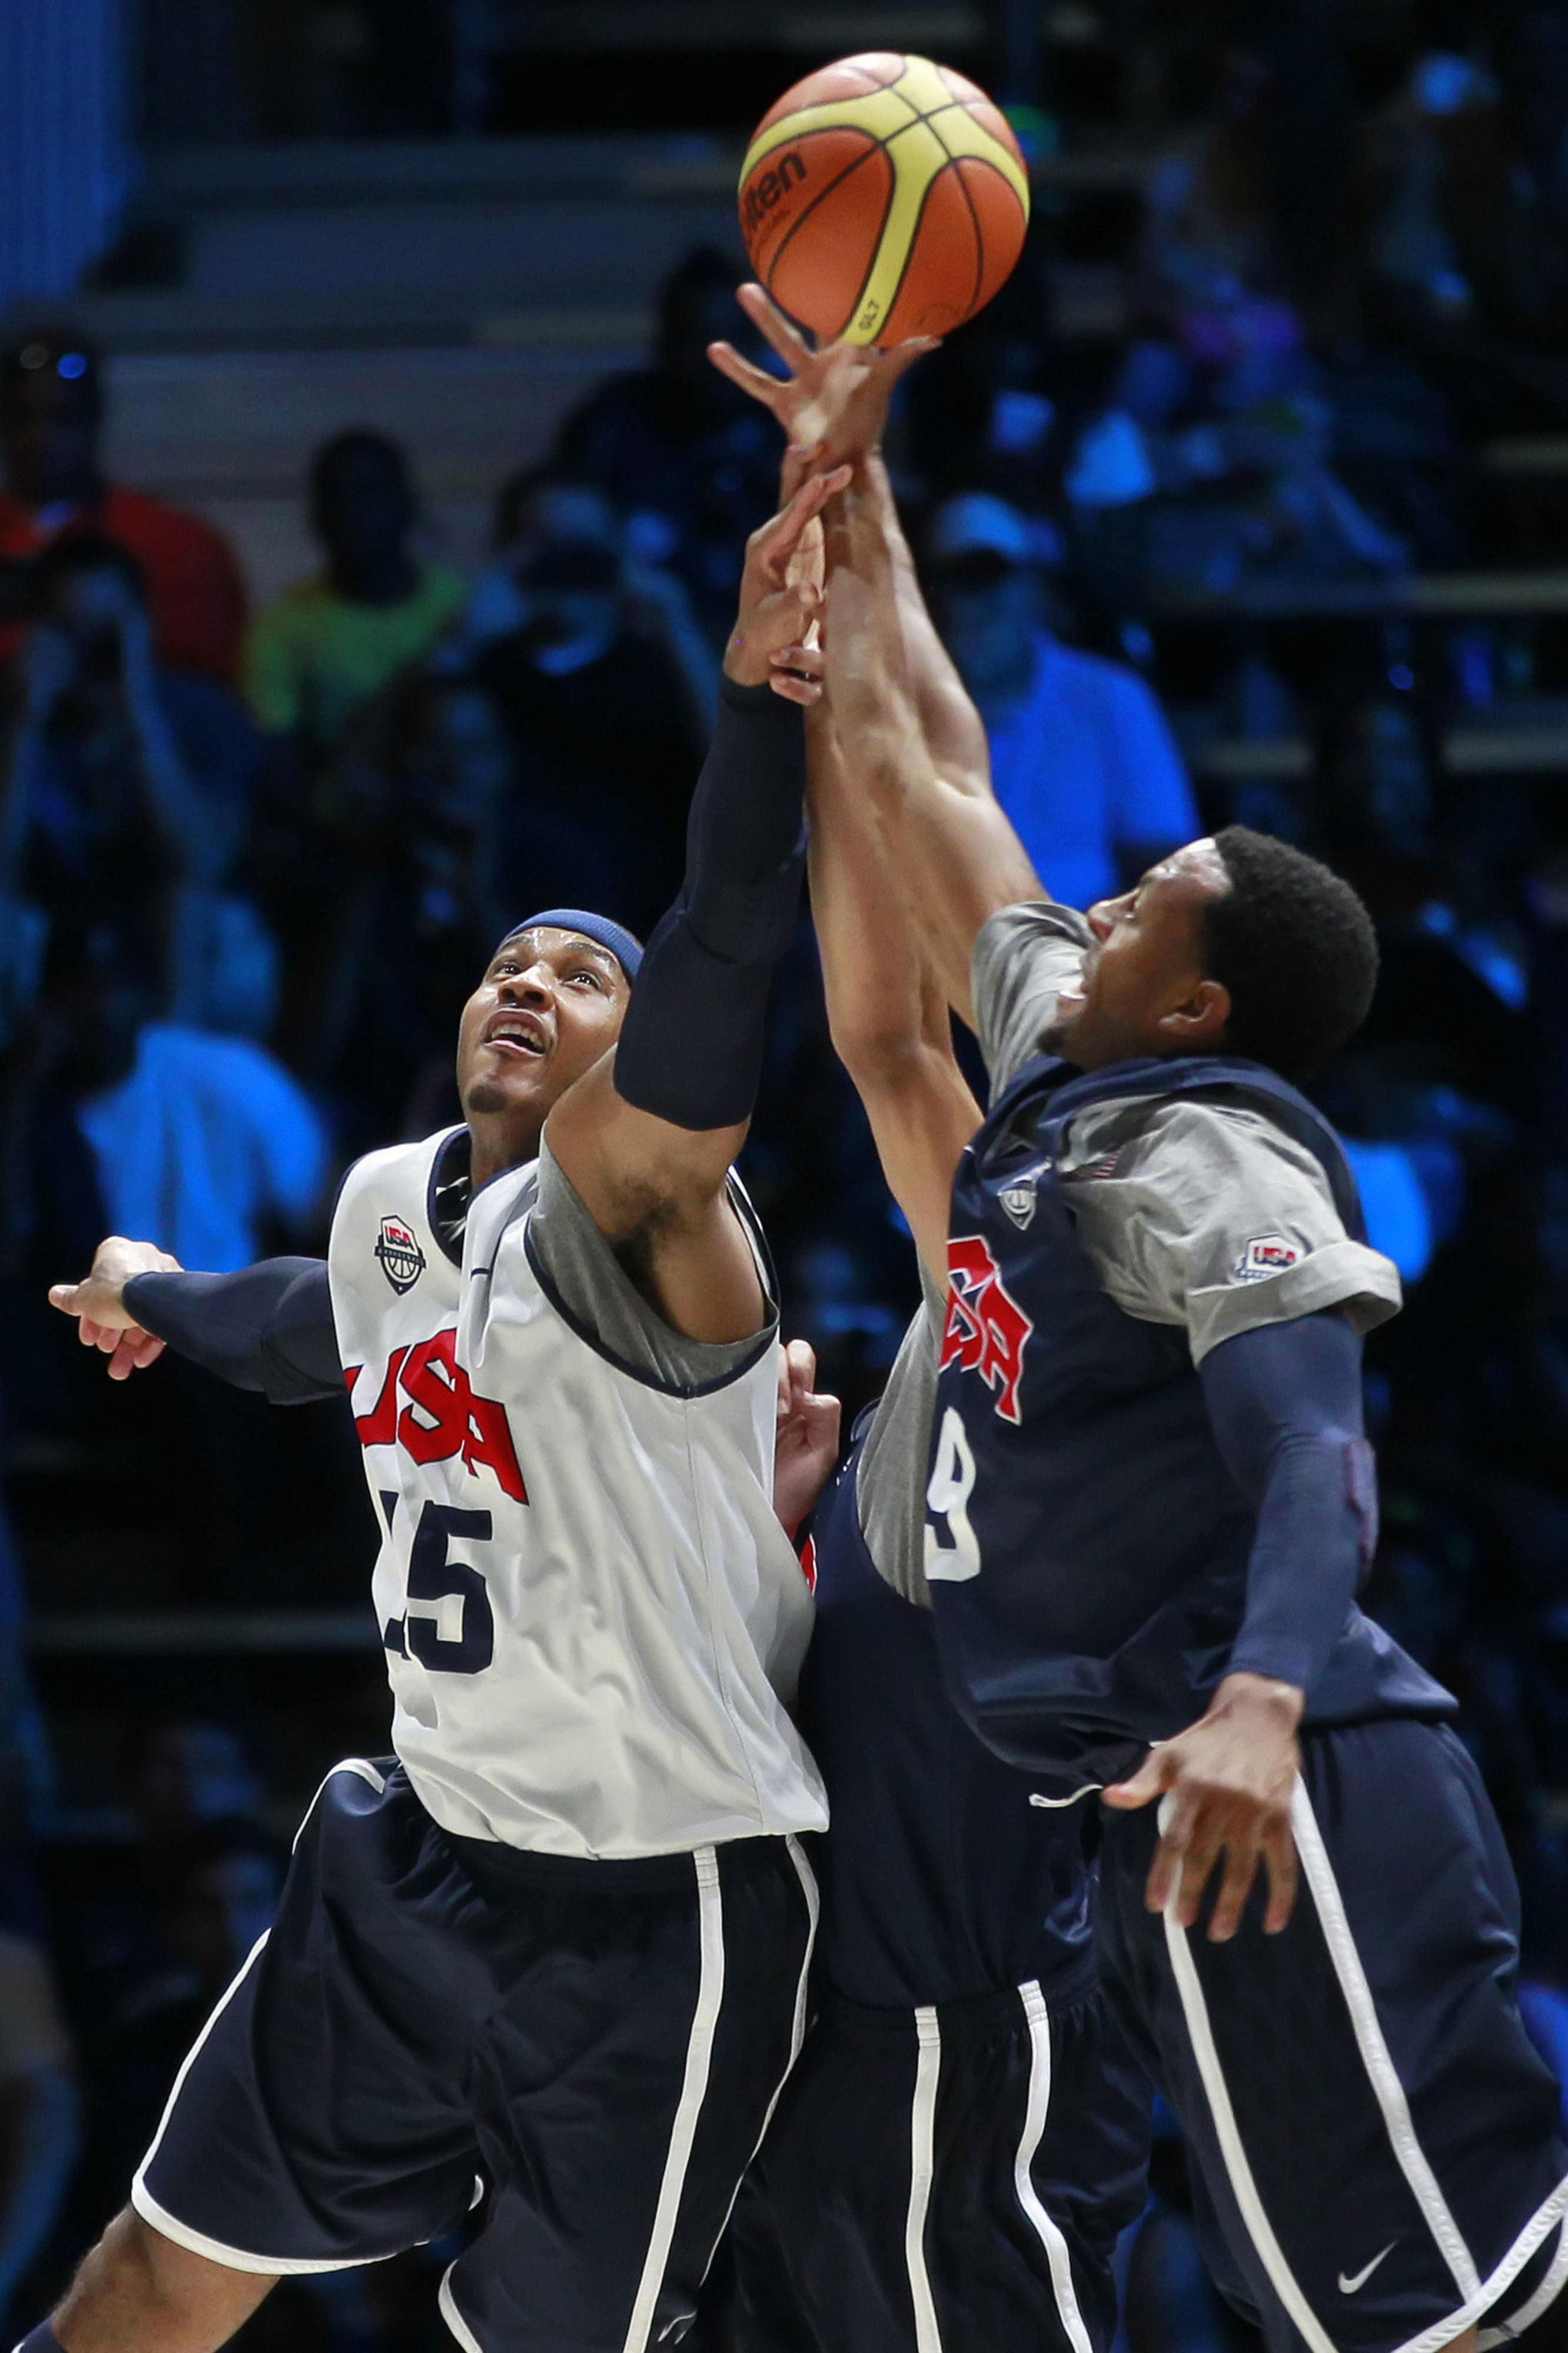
808,660
748,376
1279,1858
65,1296
779,536
801,1362
892,363
1199,1858
1149,1781
800,458
1241,1853
796,690
771,323
1170,1855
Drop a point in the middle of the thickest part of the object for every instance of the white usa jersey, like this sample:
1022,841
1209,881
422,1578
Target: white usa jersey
593,1621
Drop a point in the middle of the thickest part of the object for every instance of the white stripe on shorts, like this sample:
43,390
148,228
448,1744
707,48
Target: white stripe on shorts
1260,2230
1546,2294
1478,2295
923,2159
1375,2057
1049,2235
807,1878
197,2242
693,2092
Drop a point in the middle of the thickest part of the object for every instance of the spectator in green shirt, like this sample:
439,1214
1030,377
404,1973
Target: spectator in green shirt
320,651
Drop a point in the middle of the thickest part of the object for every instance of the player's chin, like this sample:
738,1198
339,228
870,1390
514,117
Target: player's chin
511,1084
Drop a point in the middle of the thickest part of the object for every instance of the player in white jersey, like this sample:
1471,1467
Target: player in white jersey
553,1952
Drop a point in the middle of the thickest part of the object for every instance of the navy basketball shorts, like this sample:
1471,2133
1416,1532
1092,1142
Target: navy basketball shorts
941,2181
591,2047
1376,2137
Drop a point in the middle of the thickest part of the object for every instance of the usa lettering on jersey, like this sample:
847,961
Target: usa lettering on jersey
427,1405
986,1331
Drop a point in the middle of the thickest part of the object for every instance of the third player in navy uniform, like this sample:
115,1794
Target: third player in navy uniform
1150,1506
554,1948
965,2136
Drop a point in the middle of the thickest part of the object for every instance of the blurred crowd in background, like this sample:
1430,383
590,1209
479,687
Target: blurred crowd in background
252,861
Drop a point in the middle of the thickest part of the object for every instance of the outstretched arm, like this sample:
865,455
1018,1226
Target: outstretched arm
647,1136
912,732
916,742
268,1327
886,1008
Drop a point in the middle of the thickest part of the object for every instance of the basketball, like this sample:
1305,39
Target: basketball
883,197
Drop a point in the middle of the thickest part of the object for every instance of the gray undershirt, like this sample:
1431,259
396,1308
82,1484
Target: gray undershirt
581,1266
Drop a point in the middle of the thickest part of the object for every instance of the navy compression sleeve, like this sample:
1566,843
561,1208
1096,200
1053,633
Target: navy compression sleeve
691,1050
1285,1404
268,1327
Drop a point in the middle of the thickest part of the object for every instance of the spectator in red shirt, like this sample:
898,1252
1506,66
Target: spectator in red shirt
51,415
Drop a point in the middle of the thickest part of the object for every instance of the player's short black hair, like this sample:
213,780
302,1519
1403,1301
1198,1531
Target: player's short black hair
1295,948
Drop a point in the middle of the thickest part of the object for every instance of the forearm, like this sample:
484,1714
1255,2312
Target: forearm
268,1328
954,730
886,1015
690,1050
1286,1405
959,857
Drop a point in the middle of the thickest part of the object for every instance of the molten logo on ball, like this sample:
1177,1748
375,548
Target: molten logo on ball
883,197
763,195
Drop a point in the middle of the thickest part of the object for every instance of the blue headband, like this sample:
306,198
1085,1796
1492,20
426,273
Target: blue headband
626,950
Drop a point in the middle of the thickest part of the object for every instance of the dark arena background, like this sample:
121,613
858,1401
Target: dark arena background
1273,416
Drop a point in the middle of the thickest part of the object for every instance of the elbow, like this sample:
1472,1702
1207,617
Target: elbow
882,1052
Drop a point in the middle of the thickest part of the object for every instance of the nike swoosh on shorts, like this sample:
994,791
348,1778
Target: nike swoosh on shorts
1349,2286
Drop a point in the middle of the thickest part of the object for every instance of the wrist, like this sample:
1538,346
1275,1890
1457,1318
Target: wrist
742,667
1262,1698
740,694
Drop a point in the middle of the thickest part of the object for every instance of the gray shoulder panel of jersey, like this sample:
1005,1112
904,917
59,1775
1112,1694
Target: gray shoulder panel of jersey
577,1263
891,1481
1024,955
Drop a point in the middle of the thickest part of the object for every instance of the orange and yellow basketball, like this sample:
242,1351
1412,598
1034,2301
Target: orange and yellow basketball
882,197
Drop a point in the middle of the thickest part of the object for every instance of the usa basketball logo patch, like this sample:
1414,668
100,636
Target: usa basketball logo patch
402,1259
1266,1254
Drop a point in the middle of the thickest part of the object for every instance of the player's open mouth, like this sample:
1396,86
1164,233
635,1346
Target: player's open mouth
521,1034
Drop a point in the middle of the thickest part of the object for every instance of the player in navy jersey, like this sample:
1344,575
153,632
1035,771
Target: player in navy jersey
1151,1501
552,1952
965,2136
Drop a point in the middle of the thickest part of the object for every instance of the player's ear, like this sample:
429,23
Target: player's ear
1197,1024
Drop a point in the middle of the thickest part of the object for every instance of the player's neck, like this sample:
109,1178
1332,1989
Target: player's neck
497,1144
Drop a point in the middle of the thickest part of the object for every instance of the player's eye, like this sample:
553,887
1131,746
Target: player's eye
592,978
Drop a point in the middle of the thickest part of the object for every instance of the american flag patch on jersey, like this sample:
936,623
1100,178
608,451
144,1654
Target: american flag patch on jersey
1266,1254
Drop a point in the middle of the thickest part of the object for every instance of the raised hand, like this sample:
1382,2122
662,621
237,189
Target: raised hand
833,402
807,1446
780,598
103,1320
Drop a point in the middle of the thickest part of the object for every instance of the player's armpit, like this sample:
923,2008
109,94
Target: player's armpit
660,1195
